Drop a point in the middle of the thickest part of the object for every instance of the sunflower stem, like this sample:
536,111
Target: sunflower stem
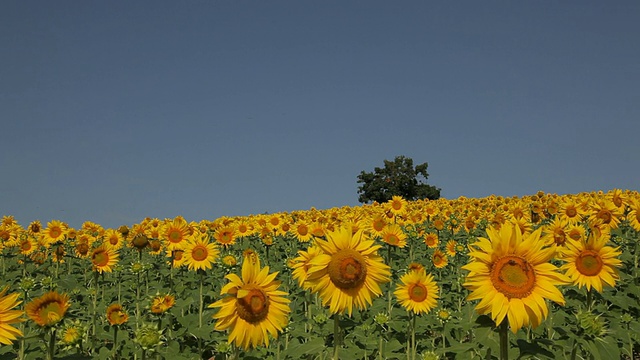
589,299
52,344
413,336
504,340
201,272
337,341
115,342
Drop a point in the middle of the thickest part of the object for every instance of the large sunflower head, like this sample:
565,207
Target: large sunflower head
103,259
252,306
590,263
8,316
48,309
394,236
417,292
349,272
511,276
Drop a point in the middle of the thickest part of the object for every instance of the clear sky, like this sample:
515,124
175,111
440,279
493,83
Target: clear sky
113,111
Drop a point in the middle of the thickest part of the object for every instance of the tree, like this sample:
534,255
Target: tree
398,177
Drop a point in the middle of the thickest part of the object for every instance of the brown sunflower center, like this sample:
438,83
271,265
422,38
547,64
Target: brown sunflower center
199,253
303,229
347,269
254,306
392,239
113,240
397,205
605,216
571,212
100,258
175,236
438,259
378,224
589,263
417,292
26,245
226,237
55,232
559,237
513,276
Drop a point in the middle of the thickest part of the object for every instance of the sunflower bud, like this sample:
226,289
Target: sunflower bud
591,324
148,336
381,318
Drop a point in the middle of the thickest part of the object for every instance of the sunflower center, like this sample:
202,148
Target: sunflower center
437,259
571,212
50,313
513,276
226,237
175,236
397,205
392,239
254,306
378,224
417,292
100,258
113,240
605,216
559,237
199,253
303,230
589,263
347,269
55,232
25,245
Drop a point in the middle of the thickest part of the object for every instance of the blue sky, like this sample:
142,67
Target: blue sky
113,111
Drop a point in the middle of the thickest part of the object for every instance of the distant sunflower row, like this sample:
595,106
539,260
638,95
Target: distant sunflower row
510,270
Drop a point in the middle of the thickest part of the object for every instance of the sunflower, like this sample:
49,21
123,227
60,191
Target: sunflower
571,211
55,231
9,316
431,240
349,272
417,291
200,253
605,213
27,245
451,247
225,236
394,236
301,231
301,265
377,224
397,205
511,275
103,259
175,233
48,309
113,239
591,263
162,303
116,315
34,228
72,333
634,215
253,306
229,260
439,259
555,232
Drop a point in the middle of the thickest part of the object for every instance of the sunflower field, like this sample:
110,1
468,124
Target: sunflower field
544,276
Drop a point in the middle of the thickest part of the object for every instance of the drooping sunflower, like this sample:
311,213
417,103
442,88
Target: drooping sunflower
8,316
590,263
162,303
417,291
253,308
48,309
103,259
394,236
116,315
349,272
200,253
511,276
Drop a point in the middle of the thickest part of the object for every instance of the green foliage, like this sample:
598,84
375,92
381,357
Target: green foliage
398,177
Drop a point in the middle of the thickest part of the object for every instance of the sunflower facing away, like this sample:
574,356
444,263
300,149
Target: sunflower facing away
9,316
349,272
511,276
590,263
48,309
418,292
253,306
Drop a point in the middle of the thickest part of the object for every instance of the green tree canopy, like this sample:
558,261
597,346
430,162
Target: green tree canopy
398,177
